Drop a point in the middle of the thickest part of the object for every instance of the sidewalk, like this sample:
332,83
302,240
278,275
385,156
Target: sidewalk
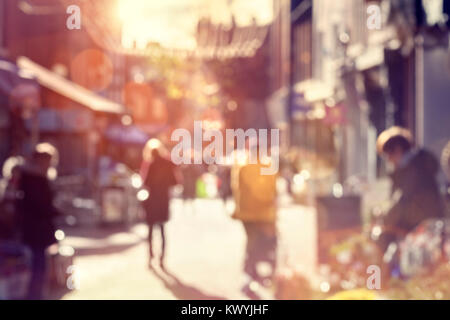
205,253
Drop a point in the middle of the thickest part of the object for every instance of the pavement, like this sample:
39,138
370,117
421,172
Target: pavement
204,257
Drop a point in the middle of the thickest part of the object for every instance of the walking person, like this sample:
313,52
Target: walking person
36,214
224,175
158,175
255,197
191,173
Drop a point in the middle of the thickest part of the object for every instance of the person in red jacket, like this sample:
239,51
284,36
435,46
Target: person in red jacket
158,175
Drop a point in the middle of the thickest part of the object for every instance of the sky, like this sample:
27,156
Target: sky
172,23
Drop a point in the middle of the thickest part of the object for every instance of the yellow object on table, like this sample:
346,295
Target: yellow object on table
356,294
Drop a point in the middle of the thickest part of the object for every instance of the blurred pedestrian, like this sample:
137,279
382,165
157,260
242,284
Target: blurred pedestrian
415,190
224,175
36,213
158,175
191,173
255,197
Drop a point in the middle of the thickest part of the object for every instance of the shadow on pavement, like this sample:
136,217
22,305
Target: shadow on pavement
96,232
104,250
99,240
181,290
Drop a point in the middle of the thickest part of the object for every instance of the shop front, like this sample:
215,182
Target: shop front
19,101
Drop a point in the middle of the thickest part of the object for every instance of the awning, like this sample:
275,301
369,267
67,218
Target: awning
69,89
19,88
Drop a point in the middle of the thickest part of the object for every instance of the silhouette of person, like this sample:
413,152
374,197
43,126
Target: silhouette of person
158,175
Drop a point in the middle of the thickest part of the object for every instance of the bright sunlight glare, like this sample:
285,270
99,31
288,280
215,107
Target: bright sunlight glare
173,23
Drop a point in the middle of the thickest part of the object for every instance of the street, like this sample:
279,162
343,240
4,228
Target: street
205,252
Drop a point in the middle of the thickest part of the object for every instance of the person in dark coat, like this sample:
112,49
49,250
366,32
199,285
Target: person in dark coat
159,176
36,214
415,188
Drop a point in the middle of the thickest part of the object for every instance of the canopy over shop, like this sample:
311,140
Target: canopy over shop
73,118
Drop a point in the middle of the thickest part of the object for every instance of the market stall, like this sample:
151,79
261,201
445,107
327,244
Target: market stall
416,267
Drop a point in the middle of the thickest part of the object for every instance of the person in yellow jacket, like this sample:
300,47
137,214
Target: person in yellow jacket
255,198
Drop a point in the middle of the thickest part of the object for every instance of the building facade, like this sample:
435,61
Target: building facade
357,67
